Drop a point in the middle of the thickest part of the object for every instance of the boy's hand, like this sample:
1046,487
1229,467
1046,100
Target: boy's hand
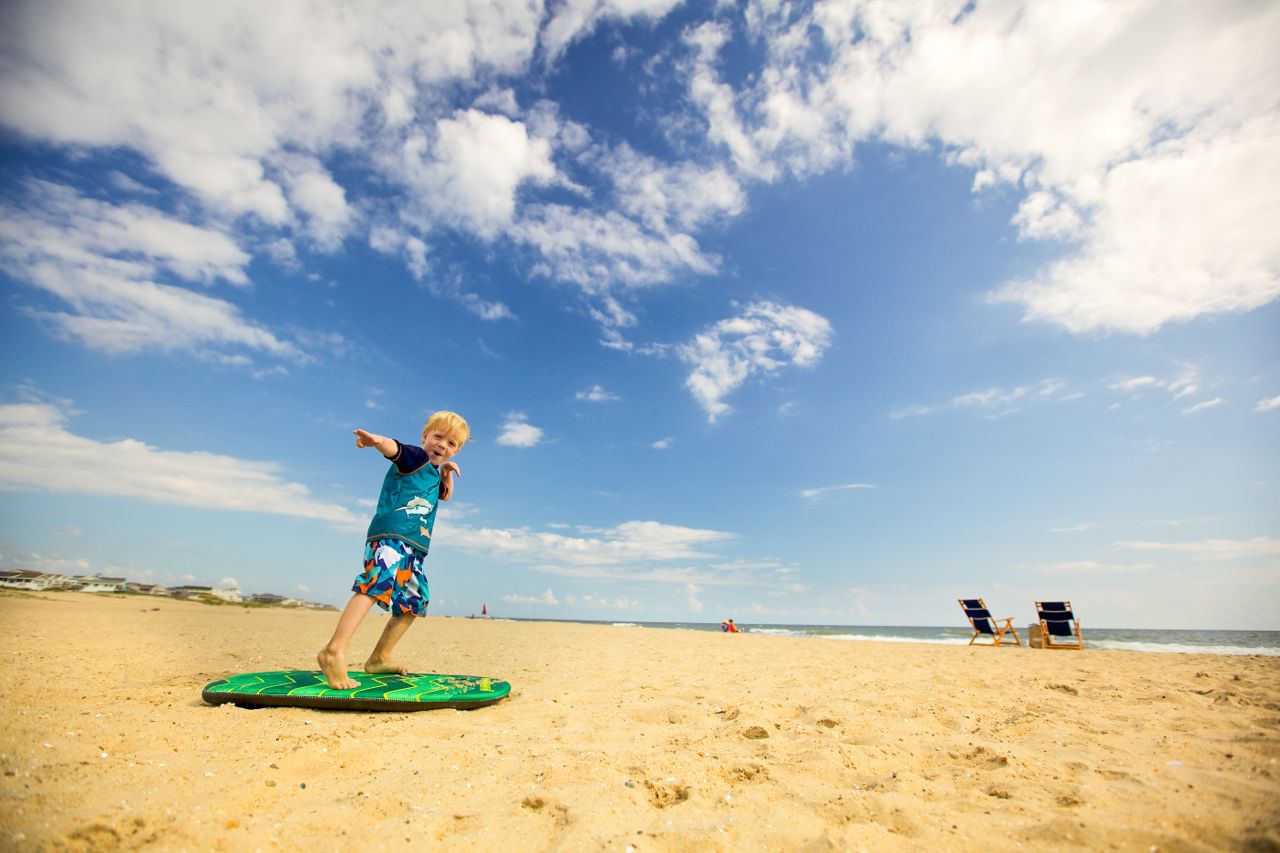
447,470
386,446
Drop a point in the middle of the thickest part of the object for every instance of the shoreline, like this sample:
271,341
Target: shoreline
1096,639
657,740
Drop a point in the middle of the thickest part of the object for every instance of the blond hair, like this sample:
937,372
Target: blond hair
452,424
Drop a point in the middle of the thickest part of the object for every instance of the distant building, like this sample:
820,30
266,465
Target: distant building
188,591
150,588
270,598
26,579
227,594
101,584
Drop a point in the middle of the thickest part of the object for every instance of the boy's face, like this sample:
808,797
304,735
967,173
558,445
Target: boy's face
439,446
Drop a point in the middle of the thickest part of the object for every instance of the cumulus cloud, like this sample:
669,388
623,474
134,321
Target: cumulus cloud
1139,138
596,394
518,432
72,464
476,165
245,108
592,599
598,250
547,597
631,542
1143,136
574,19
320,201
763,338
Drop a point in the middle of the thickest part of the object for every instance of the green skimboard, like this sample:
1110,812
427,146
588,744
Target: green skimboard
307,689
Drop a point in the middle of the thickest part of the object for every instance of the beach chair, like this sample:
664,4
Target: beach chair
1057,620
984,624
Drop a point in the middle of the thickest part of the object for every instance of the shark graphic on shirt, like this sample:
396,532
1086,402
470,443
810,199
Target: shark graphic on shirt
417,506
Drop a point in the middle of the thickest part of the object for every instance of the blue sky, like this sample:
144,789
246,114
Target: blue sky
795,313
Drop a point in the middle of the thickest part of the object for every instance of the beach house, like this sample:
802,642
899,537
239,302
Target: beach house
27,579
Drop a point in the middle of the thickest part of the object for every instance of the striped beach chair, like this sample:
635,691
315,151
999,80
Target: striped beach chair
984,624
1058,621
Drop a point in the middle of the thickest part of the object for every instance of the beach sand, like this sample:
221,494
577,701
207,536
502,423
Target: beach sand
622,738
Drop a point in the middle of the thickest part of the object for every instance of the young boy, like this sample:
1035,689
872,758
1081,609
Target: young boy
397,542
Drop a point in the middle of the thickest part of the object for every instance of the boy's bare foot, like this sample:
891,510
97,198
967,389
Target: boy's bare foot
385,666
333,665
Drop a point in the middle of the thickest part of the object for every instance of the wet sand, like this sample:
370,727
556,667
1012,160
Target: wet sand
622,738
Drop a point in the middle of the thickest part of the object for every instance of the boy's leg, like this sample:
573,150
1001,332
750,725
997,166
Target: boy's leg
333,657
380,659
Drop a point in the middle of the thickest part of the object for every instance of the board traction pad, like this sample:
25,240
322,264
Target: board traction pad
393,692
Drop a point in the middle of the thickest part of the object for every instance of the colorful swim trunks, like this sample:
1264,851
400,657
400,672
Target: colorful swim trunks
393,576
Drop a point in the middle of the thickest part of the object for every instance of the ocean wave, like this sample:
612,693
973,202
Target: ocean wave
891,638
1178,648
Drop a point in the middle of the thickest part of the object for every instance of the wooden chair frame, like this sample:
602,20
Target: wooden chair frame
1046,638
992,624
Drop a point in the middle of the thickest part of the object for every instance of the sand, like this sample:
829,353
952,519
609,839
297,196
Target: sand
622,738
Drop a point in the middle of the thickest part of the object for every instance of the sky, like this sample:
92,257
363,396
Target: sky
821,313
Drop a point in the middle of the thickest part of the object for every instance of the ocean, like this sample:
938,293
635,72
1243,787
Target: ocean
1121,639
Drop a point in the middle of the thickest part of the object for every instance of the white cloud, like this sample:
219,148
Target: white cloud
321,200
574,19
228,583
48,562
630,552
671,197
663,443
597,250
210,95
761,339
595,600
1140,137
691,592
476,165
1269,404
628,543
518,432
72,464
1144,136
111,264
998,400
242,106
1184,384
1207,404
821,491
596,394
547,597
1134,384
1213,549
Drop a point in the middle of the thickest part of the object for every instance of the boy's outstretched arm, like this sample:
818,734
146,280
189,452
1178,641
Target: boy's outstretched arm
388,447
